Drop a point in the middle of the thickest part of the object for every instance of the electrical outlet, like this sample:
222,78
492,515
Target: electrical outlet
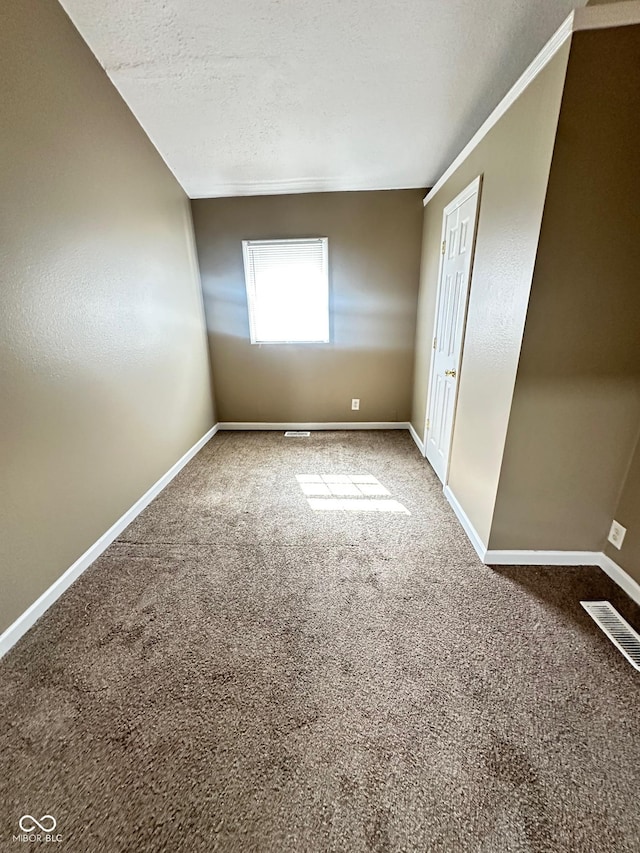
616,534
355,405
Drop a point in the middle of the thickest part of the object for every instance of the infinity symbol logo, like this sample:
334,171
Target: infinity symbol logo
24,823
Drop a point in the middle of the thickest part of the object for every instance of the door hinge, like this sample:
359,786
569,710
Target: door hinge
444,243
428,423
435,342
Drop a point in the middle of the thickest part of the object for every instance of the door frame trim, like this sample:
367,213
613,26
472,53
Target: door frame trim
475,187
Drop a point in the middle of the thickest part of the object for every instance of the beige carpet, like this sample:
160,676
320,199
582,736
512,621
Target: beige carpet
243,672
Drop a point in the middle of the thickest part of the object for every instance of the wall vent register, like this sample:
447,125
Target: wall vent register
617,629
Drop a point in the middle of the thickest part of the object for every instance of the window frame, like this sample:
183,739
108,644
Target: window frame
250,288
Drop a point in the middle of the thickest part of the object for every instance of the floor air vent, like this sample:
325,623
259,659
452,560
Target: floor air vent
297,433
616,628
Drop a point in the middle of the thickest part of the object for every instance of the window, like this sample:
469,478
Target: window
287,290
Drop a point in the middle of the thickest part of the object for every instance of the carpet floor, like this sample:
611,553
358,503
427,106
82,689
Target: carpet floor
268,659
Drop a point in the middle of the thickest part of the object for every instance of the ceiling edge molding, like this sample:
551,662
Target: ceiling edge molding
586,18
296,186
542,59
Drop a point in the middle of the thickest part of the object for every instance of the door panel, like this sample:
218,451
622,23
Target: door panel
459,226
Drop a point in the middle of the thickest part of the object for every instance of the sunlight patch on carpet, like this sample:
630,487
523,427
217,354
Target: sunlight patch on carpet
347,493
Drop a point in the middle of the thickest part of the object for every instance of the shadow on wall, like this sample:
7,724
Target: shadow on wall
374,262
308,383
76,419
356,319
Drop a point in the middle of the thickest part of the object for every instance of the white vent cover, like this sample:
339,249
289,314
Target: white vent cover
617,629
297,433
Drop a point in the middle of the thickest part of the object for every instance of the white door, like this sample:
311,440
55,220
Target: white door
458,239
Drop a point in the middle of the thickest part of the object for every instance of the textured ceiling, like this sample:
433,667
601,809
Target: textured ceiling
265,96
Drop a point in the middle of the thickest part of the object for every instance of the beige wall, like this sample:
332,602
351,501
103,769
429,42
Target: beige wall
104,377
627,512
576,407
514,158
374,249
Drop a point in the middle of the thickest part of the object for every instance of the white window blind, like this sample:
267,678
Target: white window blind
287,290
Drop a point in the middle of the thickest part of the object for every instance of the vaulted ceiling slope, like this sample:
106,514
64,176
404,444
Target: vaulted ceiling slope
268,96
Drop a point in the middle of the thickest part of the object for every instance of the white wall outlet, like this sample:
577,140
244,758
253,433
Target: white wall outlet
616,534
355,405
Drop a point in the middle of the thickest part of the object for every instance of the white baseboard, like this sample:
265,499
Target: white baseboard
416,438
523,557
22,624
260,425
542,558
567,558
620,577
469,529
